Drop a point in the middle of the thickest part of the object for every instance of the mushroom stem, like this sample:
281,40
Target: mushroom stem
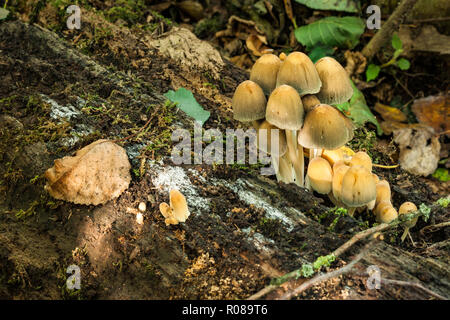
351,211
405,233
294,152
276,166
256,124
285,170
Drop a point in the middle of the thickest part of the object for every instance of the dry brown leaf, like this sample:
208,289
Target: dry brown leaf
389,113
390,126
433,111
419,150
96,174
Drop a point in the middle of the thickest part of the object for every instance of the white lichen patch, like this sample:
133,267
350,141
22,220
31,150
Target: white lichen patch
241,188
76,134
172,177
60,112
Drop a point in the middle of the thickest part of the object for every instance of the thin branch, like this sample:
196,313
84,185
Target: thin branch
324,277
433,227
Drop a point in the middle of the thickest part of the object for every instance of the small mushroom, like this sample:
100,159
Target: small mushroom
179,206
383,192
249,103
385,212
276,148
405,208
320,175
325,128
309,102
264,72
341,154
142,207
285,111
358,188
336,85
361,159
298,71
140,218
177,211
339,170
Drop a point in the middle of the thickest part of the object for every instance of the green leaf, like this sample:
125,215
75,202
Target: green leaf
320,52
185,101
442,174
3,13
342,5
332,32
403,64
396,42
372,72
358,110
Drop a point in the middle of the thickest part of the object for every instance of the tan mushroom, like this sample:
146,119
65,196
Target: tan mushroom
309,102
405,208
249,103
358,188
178,210
361,159
336,86
320,175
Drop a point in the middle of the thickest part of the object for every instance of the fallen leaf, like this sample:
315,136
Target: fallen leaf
96,174
257,45
428,40
433,111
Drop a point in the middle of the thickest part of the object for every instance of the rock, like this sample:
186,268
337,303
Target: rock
419,150
97,173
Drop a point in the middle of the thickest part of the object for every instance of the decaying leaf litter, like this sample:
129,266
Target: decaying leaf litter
204,268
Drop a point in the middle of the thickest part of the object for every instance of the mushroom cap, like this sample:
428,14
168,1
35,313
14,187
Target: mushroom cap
249,102
376,178
325,128
339,170
358,187
320,175
266,129
264,72
285,108
361,159
386,212
179,206
406,208
336,85
165,210
309,102
383,191
298,71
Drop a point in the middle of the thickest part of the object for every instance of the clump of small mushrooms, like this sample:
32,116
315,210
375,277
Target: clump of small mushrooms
293,95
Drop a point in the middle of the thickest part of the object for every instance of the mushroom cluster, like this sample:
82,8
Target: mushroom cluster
293,95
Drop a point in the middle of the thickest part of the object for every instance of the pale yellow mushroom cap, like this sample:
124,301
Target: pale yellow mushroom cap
336,85
264,72
339,170
383,191
325,128
376,178
249,102
298,71
309,102
285,108
165,210
179,206
405,208
266,129
341,154
358,187
320,175
361,159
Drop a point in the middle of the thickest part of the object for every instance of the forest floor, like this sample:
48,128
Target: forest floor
61,90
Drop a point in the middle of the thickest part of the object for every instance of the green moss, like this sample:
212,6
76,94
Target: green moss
208,27
130,11
269,227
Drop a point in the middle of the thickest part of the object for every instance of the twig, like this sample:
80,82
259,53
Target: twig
389,27
324,277
140,130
